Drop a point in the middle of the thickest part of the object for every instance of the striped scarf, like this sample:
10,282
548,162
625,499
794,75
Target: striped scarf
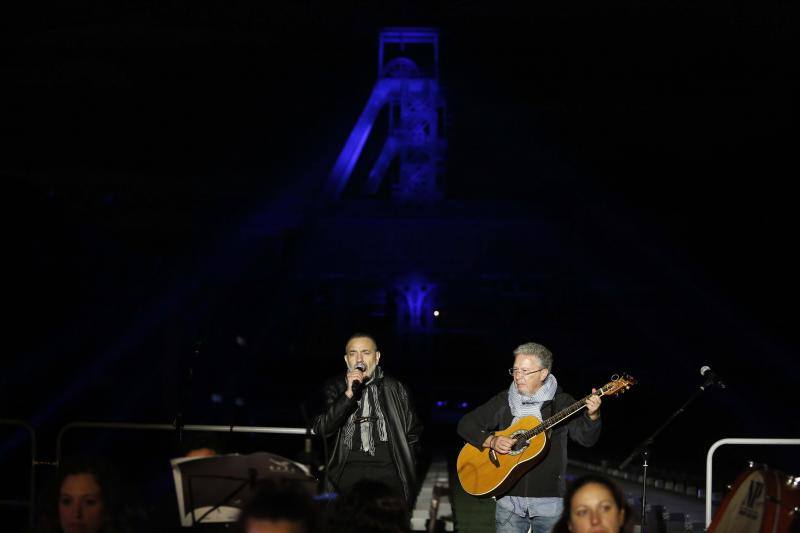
531,405
368,411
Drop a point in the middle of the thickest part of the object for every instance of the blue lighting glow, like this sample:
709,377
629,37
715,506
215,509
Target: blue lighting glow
416,302
411,90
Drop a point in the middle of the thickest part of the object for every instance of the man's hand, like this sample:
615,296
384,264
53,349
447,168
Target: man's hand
499,444
593,406
353,375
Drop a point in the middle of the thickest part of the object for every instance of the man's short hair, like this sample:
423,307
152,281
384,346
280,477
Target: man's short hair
362,335
532,348
197,440
281,500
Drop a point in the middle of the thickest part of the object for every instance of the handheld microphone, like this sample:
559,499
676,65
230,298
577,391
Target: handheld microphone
712,378
357,383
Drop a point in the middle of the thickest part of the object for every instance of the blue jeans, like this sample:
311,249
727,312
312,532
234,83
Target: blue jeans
508,521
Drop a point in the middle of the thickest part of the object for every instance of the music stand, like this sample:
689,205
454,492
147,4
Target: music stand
215,489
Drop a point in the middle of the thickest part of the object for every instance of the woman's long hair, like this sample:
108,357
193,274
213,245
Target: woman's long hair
562,526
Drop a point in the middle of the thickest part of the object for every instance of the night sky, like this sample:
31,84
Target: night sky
618,185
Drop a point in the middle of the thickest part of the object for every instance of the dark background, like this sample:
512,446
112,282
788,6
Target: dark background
619,186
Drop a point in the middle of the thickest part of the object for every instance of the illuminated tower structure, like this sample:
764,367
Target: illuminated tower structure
408,83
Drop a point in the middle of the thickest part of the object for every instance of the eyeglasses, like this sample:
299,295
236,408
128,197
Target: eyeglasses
522,372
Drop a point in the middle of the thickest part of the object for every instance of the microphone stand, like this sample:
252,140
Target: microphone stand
185,378
643,448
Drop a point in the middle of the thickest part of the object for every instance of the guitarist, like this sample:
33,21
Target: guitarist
535,500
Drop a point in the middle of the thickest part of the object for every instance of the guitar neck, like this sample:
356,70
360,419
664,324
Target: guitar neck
563,414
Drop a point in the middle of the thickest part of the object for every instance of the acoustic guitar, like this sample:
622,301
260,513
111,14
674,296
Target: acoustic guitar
482,472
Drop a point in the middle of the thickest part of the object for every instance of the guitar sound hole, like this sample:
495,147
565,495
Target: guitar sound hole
520,445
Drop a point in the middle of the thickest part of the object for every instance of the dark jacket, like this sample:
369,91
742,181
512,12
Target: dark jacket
402,425
546,479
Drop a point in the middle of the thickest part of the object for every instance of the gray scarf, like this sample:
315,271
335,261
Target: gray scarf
366,414
531,405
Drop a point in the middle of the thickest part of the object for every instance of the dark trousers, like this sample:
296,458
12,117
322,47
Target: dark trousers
383,473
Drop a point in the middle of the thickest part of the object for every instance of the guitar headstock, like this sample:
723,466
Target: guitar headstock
618,384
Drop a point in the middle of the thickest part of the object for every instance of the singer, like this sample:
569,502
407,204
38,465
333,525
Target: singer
372,418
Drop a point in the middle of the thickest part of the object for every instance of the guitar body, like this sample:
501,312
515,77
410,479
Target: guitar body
486,473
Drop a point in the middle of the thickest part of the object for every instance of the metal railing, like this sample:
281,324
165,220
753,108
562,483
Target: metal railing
723,442
172,427
32,490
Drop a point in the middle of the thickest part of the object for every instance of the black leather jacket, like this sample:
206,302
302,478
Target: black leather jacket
402,424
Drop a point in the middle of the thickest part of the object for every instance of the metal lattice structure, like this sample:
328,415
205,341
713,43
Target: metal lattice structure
408,83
